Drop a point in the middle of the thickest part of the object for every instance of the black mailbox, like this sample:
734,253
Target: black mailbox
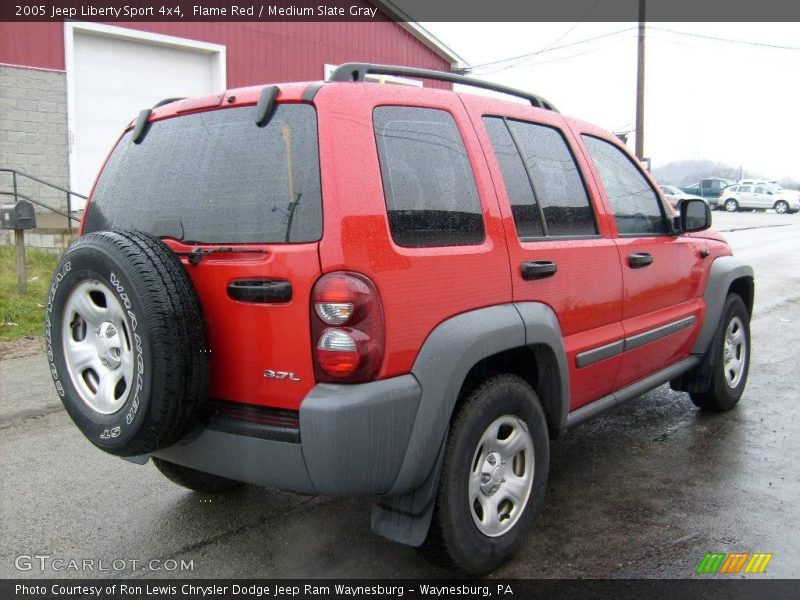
17,216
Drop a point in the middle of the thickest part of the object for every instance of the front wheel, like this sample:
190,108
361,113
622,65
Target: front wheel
730,358
731,205
493,478
782,207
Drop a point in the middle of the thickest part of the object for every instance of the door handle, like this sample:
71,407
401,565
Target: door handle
538,269
261,291
637,260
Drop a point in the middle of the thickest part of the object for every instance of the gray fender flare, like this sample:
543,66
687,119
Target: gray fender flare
450,352
724,271
447,356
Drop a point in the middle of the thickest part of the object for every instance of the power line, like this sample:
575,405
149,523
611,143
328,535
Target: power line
515,60
557,58
721,39
548,49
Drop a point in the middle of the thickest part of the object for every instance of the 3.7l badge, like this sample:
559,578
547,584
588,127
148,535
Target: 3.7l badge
288,375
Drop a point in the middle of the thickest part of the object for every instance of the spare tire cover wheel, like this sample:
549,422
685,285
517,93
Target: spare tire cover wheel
126,342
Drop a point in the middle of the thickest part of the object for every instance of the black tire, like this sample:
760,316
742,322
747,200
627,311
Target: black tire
731,205
454,538
782,207
160,327
193,479
722,396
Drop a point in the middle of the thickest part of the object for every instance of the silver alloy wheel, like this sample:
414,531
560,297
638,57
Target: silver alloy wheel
501,476
97,347
731,205
781,207
734,352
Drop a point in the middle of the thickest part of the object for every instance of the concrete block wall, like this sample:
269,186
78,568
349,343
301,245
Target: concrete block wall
33,131
54,241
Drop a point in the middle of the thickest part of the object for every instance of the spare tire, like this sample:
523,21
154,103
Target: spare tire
126,342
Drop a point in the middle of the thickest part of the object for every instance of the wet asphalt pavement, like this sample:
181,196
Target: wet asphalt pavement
643,491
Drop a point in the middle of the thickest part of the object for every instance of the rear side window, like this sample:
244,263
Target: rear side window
637,209
542,179
431,199
216,177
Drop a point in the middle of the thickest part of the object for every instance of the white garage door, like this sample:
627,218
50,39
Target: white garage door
113,79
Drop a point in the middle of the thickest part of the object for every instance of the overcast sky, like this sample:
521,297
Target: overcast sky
737,103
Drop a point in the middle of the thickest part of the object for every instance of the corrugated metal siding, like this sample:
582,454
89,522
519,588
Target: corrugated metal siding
256,52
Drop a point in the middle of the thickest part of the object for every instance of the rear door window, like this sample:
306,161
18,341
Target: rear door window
524,207
216,177
542,180
431,198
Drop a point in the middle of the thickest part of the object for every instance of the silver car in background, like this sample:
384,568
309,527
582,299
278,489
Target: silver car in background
760,196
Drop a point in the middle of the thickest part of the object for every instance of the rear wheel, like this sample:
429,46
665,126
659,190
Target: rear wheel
731,205
193,479
782,207
493,478
730,358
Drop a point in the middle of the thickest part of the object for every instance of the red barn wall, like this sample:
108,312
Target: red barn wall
256,52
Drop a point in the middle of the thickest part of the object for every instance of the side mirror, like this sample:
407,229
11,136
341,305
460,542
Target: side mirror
695,215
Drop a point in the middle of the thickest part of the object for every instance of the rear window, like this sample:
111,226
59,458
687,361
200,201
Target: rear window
216,177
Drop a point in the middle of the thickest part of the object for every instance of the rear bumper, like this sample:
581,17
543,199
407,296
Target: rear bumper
352,440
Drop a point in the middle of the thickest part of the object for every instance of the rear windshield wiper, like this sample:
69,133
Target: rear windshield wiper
197,254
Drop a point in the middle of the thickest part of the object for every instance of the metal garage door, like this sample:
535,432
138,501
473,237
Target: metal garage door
113,79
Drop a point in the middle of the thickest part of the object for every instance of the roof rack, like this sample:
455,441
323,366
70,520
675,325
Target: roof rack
166,101
359,71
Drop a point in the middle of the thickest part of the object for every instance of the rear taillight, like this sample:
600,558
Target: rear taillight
346,328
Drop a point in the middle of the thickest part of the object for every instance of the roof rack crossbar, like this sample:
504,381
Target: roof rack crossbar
359,71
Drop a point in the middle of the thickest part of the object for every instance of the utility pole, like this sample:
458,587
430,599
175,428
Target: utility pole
640,86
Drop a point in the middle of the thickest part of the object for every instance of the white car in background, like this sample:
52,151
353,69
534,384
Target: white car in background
760,196
675,194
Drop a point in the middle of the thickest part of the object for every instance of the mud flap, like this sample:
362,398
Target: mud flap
406,518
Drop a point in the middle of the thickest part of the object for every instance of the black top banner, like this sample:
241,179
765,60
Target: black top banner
403,10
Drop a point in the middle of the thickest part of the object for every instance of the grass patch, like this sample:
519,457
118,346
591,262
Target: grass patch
23,314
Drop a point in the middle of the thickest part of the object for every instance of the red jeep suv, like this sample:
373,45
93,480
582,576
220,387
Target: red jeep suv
348,288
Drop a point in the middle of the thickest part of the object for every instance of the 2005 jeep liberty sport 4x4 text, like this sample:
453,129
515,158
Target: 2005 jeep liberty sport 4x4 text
348,288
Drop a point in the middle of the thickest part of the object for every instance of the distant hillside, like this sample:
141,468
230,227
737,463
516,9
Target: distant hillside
687,172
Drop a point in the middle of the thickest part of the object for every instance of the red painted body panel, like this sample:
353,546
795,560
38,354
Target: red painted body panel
663,292
257,52
419,287
244,338
586,291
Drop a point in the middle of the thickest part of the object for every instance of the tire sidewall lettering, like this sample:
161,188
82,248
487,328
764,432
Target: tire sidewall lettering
133,322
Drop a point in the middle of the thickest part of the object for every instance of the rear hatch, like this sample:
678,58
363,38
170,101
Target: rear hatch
241,204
